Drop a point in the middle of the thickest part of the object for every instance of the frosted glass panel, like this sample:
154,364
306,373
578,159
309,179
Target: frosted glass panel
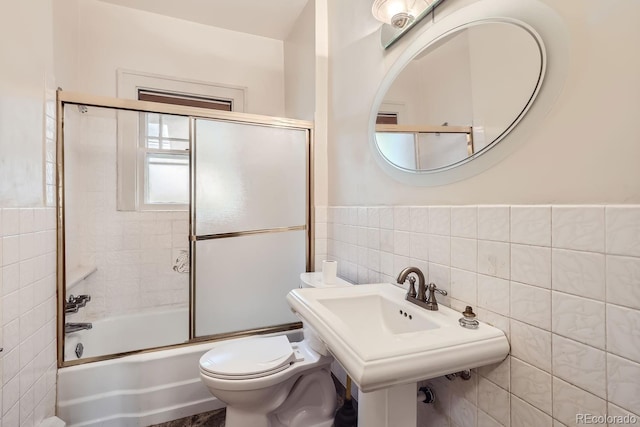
248,177
241,282
398,148
440,150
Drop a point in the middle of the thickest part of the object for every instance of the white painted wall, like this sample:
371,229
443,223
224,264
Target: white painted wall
299,66
581,152
27,229
110,37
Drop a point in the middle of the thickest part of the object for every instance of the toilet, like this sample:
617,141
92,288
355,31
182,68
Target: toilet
270,382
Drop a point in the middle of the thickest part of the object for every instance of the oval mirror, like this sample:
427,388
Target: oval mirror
459,96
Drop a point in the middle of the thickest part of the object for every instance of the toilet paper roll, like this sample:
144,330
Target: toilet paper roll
329,271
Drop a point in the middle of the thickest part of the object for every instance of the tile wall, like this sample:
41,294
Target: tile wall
28,279
563,282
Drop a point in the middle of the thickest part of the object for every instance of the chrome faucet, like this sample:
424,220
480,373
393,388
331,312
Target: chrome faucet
75,327
420,298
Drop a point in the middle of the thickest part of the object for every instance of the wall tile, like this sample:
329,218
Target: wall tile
579,318
580,364
494,401
525,415
402,243
616,411
463,413
484,420
623,276
401,219
493,294
498,373
531,225
419,246
464,286
531,265
494,258
623,384
579,273
623,332
531,385
441,276
373,217
10,221
440,220
440,249
531,344
464,221
386,218
363,219
493,223
464,253
578,227
623,230
386,240
570,401
531,305
419,217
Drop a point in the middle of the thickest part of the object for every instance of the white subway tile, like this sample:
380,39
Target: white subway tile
621,415
10,397
10,278
578,227
579,273
493,258
441,276
531,305
373,238
531,225
623,276
10,365
623,384
440,220
580,364
531,385
10,249
463,412
494,401
493,294
531,265
464,221
579,318
419,217
623,230
386,240
10,307
623,336
493,223
570,401
464,253
363,220
386,264
531,344
525,415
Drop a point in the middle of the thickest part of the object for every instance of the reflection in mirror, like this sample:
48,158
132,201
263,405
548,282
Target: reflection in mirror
459,96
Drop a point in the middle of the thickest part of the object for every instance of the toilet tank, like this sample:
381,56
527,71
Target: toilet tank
314,280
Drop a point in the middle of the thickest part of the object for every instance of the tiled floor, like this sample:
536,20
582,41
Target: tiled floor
216,418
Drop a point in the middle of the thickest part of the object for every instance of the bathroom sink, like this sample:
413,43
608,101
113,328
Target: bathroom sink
382,340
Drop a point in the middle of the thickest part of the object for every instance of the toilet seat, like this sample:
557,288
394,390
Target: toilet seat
250,358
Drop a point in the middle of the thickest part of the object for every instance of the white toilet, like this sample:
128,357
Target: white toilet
270,382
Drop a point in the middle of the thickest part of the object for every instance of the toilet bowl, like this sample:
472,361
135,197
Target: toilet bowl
271,382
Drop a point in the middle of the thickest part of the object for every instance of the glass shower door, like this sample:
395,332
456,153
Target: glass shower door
249,224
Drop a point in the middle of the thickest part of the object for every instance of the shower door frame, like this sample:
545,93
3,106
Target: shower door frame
74,98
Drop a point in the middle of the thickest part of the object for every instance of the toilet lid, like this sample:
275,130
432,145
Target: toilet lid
249,358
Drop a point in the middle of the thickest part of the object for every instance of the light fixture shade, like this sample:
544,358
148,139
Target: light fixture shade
398,13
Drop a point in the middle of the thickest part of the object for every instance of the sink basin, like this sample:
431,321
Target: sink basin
382,340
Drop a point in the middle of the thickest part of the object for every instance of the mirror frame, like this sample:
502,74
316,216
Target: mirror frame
526,14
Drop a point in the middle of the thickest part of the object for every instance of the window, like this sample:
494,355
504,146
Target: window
163,158
153,149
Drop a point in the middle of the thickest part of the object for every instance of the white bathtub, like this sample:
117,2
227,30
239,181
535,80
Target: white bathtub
137,390
121,334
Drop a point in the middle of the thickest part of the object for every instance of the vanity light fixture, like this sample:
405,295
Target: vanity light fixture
399,13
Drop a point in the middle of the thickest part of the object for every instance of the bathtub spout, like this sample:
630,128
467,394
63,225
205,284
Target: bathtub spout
75,327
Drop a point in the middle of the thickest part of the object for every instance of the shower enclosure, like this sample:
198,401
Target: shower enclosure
176,224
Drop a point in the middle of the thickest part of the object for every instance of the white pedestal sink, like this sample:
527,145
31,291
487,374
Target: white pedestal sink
387,344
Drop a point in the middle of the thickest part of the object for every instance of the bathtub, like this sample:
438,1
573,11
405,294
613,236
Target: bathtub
122,334
137,390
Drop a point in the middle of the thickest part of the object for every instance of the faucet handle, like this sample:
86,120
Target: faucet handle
434,288
412,287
